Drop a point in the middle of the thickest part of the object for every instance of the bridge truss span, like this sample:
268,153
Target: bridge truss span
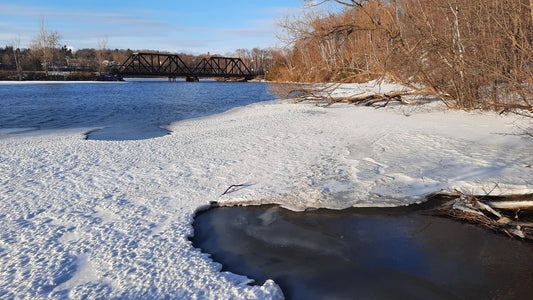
146,64
222,67
154,64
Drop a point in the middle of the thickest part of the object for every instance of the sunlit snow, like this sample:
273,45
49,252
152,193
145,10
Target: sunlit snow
86,218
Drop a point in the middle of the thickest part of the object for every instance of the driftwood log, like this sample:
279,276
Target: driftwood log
326,95
511,215
376,100
230,187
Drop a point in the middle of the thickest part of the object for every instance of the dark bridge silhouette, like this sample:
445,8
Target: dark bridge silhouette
144,64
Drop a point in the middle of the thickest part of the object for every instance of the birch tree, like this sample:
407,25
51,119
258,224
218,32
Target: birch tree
101,45
45,43
17,56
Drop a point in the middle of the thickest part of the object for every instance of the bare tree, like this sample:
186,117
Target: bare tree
101,46
259,60
45,43
472,54
531,10
17,56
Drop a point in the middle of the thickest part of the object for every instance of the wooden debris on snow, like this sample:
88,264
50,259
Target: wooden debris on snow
326,96
511,215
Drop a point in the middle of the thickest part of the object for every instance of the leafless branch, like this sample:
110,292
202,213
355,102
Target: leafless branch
230,187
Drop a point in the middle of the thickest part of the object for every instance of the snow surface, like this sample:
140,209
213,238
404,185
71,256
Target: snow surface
85,218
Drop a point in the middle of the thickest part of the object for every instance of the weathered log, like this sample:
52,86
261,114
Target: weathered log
494,213
230,187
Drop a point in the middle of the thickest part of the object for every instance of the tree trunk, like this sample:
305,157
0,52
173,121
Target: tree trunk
531,10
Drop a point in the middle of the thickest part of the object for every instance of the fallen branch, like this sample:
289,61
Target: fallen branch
374,99
482,211
324,94
230,187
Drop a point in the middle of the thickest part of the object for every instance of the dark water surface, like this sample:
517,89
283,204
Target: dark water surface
135,109
395,253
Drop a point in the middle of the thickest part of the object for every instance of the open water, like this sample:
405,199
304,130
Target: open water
135,109
366,253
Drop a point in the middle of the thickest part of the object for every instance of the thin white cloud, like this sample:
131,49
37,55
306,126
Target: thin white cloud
126,29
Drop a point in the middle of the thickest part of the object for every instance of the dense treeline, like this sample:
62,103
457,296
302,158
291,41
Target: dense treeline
61,59
101,60
470,53
259,60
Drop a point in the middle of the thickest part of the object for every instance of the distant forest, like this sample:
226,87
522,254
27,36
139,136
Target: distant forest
18,63
61,59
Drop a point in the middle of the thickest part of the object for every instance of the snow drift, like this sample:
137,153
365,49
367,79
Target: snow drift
112,218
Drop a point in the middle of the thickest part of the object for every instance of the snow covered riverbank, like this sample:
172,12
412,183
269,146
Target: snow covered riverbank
112,218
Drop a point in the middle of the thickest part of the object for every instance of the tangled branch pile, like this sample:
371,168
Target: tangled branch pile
513,215
472,54
325,94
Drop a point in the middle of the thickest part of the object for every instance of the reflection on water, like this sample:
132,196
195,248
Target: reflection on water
366,254
130,110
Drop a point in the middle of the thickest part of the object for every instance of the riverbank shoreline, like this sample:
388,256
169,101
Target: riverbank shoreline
35,76
113,218
511,215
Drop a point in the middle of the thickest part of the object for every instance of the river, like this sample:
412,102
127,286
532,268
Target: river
135,109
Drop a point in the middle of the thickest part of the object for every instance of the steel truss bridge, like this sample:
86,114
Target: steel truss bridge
145,64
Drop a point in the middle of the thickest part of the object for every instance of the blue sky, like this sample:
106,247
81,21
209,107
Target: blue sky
191,26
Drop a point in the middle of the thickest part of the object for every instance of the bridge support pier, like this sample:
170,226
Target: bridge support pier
192,79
